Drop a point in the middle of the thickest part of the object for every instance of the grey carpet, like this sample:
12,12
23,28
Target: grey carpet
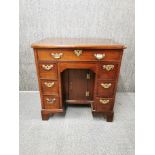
76,133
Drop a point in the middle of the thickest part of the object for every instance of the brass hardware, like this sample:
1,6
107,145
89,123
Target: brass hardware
87,93
70,85
106,85
88,76
104,101
47,67
50,100
49,84
78,52
56,55
99,56
108,67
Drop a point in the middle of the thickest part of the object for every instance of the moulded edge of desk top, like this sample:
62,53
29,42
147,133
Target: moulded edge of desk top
78,43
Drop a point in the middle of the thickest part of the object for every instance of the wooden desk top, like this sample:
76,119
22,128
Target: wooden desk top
85,43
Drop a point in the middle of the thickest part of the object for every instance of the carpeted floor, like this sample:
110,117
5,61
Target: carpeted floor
76,133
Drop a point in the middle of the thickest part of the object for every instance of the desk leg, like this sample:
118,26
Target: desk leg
110,116
45,115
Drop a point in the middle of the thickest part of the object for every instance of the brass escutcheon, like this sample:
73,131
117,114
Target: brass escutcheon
78,52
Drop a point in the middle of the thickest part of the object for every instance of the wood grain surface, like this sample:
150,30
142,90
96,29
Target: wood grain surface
78,43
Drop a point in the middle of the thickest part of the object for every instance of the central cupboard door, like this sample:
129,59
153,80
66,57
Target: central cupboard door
80,85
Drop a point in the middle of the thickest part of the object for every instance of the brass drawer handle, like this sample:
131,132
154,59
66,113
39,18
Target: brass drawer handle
99,56
47,67
49,84
56,55
50,100
77,52
106,85
108,67
104,101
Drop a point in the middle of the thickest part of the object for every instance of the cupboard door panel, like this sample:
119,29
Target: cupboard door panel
77,84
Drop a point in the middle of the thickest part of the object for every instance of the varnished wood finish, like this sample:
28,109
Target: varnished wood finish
87,55
50,90
105,92
109,75
48,74
54,105
70,73
84,43
104,107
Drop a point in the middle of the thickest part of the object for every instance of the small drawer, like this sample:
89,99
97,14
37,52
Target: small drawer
48,70
49,87
104,104
105,88
79,55
108,71
51,102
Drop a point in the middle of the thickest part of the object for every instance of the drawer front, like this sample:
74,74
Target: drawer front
51,102
48,71
49,87
104,104
105,88
79,55
108,71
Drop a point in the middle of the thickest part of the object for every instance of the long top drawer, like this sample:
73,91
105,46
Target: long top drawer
79,55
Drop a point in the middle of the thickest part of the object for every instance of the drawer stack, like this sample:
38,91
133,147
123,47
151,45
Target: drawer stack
49,85
106,86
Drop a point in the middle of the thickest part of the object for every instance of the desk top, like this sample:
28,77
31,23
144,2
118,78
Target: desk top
85,43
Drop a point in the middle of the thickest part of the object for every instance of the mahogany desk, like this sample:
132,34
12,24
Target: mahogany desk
77,71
